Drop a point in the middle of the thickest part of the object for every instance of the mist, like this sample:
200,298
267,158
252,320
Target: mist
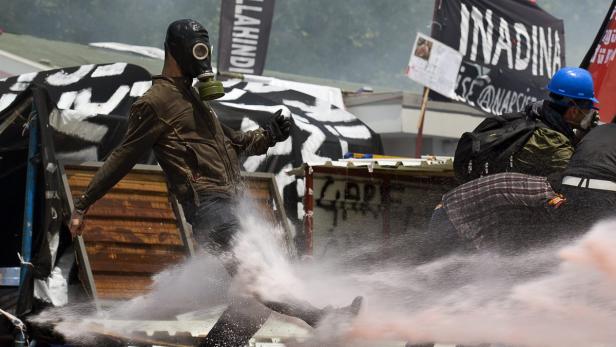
560,295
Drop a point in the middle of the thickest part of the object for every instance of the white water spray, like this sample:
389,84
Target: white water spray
556,296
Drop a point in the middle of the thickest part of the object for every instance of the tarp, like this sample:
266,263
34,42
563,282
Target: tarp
600,61
510,48
51,209
90,102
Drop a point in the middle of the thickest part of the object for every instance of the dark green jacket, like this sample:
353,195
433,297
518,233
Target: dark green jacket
549,148
197,153
546,152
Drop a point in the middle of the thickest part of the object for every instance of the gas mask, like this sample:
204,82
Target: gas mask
583,115
189,44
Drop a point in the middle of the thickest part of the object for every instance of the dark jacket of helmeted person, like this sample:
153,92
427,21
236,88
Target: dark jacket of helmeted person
589,182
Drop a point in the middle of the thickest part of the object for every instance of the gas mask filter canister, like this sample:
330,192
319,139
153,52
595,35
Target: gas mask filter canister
209,88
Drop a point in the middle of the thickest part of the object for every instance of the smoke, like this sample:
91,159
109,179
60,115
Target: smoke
558,296
562,295
198,287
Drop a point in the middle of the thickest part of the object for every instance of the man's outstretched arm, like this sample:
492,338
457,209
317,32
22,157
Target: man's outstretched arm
256,142
144,129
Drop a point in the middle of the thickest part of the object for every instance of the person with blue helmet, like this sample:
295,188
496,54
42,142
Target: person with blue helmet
515,209
564,118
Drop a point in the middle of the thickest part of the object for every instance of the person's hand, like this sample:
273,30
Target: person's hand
76,223
279,127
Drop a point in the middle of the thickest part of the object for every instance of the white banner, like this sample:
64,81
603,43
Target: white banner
434,65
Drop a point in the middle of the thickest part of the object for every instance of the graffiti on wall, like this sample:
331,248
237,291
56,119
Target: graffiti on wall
337,199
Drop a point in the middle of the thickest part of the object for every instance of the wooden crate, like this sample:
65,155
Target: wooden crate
137,229
130,234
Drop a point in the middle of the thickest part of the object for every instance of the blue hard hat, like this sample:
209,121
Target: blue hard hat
574,83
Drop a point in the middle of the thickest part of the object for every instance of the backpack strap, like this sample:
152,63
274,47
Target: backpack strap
476,143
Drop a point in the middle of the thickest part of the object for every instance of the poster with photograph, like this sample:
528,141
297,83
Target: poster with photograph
434,65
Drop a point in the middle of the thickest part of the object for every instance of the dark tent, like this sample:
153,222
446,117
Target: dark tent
71,113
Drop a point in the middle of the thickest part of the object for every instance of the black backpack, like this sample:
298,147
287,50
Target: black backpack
490,147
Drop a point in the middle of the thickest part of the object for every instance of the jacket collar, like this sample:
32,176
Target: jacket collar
178,81
542,111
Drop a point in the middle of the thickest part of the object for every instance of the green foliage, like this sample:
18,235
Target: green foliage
362,41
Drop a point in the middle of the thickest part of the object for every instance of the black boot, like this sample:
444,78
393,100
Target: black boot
340,313
238,323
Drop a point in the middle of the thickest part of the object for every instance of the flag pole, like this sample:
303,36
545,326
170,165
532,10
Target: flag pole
426,93
420,122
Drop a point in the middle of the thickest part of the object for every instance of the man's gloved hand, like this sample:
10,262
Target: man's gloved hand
590,121
279,127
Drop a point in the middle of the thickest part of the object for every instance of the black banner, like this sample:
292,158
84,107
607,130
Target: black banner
244,35
510,48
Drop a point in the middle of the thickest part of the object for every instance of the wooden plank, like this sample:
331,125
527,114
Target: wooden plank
259,194
185,230
115,195
117,282
155,177
144,205
258,183
81,172
117,235
125,186
81,255
141,267
136,264
105,257
143,226
120,212
157,180
119,294
112,248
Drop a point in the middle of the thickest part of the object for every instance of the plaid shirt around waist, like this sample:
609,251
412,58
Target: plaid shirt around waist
474,206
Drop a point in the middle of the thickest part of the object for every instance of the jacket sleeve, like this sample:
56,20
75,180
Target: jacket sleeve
144,128
253,142
546,152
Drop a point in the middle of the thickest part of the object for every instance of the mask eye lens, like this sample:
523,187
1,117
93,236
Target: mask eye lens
583,104
200,51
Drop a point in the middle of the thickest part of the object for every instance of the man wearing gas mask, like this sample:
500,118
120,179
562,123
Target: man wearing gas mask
199,157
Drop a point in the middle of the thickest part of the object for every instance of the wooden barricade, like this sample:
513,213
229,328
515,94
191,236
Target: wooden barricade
137,229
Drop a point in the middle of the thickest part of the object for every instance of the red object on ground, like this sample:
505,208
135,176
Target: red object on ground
601,62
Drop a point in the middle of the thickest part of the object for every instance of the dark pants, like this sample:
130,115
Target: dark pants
441,239
584,207
215,225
